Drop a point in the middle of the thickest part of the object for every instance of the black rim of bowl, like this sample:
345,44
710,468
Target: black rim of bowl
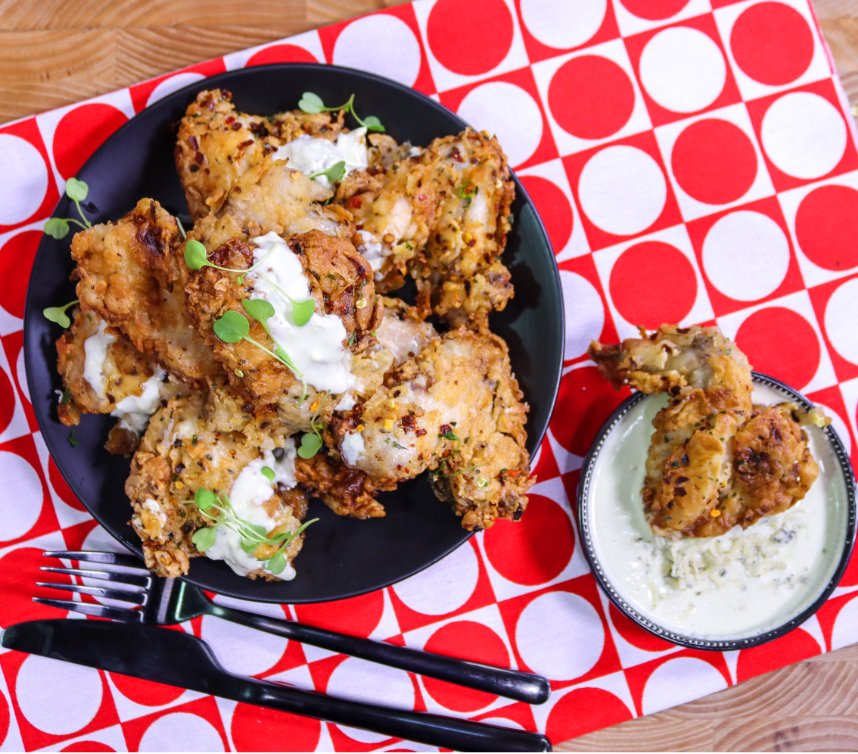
715,645
213,81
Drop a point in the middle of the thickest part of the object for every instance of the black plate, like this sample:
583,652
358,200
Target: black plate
341,557
716,645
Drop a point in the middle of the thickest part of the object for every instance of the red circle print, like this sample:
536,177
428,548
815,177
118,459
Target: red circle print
260,729
591,97
281,54
517,549
16,262
653,284
585,401
61,487
465,640
794,647
4,718
80,132
357,616
87,746
7,400
826,226
772,43
781,343
20,569
148,693
554,209
635,635
457,36
654,10
583,711
714,161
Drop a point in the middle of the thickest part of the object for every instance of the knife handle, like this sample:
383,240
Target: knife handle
513,684
433,730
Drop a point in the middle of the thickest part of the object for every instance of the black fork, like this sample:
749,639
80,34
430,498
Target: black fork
169,601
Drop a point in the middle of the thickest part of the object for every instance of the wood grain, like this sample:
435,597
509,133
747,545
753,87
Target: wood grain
55,52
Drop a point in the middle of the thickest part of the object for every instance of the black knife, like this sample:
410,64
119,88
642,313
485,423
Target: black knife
179,659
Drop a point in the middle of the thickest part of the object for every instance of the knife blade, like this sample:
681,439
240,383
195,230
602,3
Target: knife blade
178,659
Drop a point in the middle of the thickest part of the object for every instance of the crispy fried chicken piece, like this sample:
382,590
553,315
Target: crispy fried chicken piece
347,492
715,460
132,273
456,409
216,144
339,280
268,197
181,453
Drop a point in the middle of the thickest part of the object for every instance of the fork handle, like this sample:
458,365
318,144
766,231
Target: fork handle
513,684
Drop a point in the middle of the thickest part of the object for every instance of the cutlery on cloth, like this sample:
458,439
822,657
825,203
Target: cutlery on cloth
170,601
178,659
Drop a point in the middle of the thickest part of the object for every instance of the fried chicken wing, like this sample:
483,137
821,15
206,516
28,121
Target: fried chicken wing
347,492
455,408
132,274
181,453
715,459
216,144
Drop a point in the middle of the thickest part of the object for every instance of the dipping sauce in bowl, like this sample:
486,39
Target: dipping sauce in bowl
740,589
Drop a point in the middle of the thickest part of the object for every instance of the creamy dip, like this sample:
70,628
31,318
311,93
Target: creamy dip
737,585
310,156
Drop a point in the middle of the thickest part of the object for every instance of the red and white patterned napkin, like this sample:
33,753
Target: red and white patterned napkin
693,161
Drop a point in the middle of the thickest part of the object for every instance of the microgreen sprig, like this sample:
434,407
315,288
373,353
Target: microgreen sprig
311,442
312,103
58,313
334,173
196,257
58,227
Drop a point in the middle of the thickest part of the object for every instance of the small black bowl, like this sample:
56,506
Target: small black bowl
716,645
341,557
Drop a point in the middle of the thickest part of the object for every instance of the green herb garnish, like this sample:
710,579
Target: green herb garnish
334,173
58,227
58,313
312,103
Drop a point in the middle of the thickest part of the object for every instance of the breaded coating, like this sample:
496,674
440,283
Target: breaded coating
456,409
181,453
216,144
347,492
715,460
340,281
132,273
271,197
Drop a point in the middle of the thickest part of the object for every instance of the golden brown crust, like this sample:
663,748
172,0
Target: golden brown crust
347,492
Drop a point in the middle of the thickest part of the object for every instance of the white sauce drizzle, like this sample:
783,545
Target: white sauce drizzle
309,155
739,584
248,495
95,349
154,507
318,348
373,251
352,447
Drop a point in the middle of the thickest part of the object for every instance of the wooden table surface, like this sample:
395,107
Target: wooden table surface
54,52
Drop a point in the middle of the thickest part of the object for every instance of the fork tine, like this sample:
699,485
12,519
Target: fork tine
110,558
99,611
131,598
119,578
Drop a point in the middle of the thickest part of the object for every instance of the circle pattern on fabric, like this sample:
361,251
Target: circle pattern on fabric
517,550
61,487
604,709
172,84
543,641
678,681
20,567
804,135
457,35
843,632
7,406
585,313
25,179
635,635
553,207
746,255
769,333
4,718
772,43
144,692
591,97
683,70
714,161
653,266
259,729
622,190
241,649
87,746
19,512
826,226
394,51
578,23
508,112
357,616
794,647
46,705
96,121
654,10
443,587
167,731
282,54
465,640
16,262
841,316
